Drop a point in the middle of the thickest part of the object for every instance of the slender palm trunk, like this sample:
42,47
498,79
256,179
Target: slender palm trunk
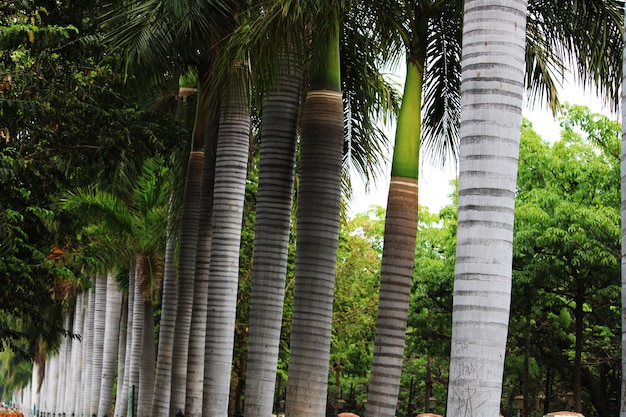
398,252
196,360
167,332
52,380
76,367
98,341
136,336
491,113
121,353
231,167
271,238
317,232
623,190
111,344
88,355
189,224
63,355
66,351
147,362
121,404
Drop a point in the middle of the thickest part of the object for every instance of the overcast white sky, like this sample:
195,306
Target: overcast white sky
434,187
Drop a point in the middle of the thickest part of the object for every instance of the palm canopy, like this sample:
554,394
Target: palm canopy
370,99
116,229
585,35
161,39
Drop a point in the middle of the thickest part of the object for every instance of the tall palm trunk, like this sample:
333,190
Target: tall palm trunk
88,355
63,358
228,197
492,89
165,351
195,363
271,238
147,363
77,345
169,301
121,403
63,365
189,223
398,251
623,197
99,324
111,343
317,231
136,335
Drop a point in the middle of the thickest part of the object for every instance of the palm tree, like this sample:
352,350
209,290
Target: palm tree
189,223
111,339
623,197
280,111
100,284
429,33
132,232
165,350
87,355
492,90
193,30
317,229
432,45
491,105
77,345
230,179
198,325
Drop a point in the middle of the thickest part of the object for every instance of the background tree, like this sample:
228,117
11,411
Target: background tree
566,253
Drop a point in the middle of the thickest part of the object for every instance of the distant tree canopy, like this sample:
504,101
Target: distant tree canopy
66,120
566,281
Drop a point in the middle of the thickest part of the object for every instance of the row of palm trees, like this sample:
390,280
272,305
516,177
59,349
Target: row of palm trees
508,45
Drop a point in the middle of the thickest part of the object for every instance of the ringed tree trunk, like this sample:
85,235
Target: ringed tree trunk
111,342
398,251
317,233
99,324
88,355
189,224
121,403
77,347
134,354
231,167
169,298
492,91
165,351
623,197
271,239
195,362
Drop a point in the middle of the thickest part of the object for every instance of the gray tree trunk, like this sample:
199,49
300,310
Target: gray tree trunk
167,332
88,355
98,341
623,190
492,90
317,234
111,344
271,238
228,196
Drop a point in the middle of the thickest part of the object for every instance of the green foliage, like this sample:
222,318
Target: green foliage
567,251
66,121
356,303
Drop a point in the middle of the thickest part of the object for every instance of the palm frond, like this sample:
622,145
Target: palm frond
161,38
442,96
370,100
92,206
585,35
